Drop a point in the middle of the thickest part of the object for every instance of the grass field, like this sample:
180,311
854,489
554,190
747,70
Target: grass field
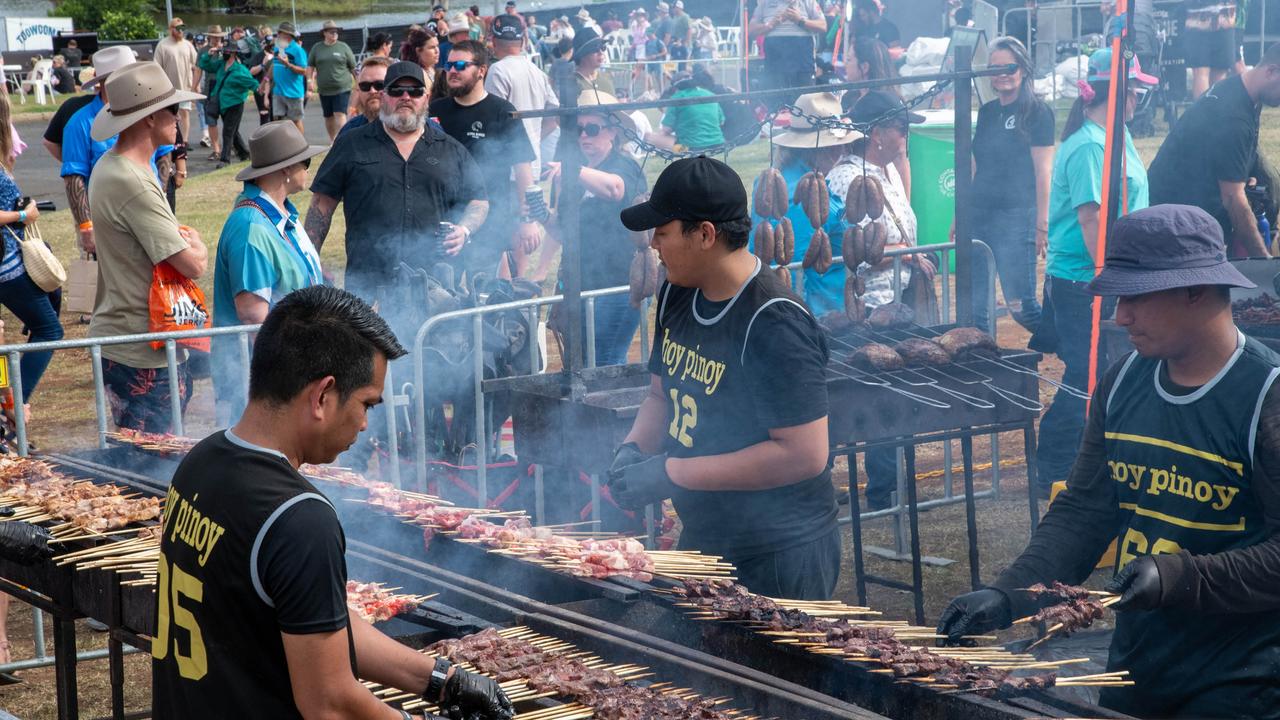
63,418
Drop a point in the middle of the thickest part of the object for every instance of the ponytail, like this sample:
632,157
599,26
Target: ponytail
1091,95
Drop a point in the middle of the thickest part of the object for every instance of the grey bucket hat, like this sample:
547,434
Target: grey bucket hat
276,146
1164,247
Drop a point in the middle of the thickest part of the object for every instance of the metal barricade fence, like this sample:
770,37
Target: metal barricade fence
638,76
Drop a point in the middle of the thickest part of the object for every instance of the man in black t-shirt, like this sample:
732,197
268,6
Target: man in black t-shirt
1207,158
53,133
734,429
499,144
251,614
869,22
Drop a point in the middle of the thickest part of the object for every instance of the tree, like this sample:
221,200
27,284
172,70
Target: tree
92,14
126,26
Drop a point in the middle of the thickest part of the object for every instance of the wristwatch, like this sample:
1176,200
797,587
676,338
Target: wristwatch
435,687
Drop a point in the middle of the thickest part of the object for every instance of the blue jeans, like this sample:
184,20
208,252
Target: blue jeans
1011,233
616,323
1064,331
31,305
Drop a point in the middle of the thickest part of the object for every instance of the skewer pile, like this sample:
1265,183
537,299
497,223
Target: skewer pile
374,602
1076,608
895,647
134,556
531,666
39,493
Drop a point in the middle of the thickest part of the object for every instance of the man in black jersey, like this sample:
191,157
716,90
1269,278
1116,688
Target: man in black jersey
251,616
734,429
1180,464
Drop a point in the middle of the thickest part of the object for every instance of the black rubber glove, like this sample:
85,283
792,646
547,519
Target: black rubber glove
24,543
626,455
1138,584
973,614
643,483
468,696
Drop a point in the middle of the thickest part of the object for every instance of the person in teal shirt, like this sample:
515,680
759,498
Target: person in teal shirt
807,148
694,126
1075,199
263,253
232,87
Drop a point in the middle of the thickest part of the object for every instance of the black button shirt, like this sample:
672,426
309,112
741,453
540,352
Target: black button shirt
392,206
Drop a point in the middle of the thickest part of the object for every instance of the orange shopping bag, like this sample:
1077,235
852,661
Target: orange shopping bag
177,303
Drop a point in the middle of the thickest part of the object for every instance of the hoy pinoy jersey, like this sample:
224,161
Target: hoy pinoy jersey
732,371
1183,468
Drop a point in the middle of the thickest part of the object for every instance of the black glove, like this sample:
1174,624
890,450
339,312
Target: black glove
1138,584
973,614
24,543
626,455
468,696
643,483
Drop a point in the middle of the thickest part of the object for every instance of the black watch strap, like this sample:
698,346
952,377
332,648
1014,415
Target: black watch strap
435,687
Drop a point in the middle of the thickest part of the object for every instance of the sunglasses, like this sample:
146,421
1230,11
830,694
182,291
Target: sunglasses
173,110
374,85
412,91
458,65
590,129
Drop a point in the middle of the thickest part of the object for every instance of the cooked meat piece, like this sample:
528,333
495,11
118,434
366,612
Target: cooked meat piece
918,352
892,315
835,322
875,357
967,341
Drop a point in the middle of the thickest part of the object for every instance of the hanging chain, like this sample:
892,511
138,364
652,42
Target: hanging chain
829,122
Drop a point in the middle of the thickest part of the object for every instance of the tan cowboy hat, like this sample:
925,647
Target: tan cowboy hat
108,60
457,21
804,134
214,31
134,92
330,25
591,97
276,146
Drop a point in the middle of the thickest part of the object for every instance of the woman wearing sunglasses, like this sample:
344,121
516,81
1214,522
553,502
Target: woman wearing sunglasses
263,253
611,181
1075,199
1012,167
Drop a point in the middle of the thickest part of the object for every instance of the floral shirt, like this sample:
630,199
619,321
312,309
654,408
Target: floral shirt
879,282
11,260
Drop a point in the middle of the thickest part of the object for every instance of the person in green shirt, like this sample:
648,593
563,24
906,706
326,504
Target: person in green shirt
232,87
696,127
209,61
1075,199
331,67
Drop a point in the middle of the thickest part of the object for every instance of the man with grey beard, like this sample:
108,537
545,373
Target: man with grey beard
398,180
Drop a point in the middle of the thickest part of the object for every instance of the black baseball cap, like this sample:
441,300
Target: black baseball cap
879,104
1164,247
697,188
405,69
508,27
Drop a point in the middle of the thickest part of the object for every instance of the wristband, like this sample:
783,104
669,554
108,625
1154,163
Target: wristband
22,216
404,715
86,225
435,687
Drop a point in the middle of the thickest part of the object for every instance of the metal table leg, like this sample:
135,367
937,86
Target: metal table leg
970,511
64,648
1029,451
115,649
855,527
913,512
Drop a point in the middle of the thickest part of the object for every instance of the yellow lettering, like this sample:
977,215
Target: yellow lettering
215,533
1165,547
1119,471
160,643
1184,487
1225,495
1204,491
200,534
195,664
1159,481
1137,471
1135,544
718,372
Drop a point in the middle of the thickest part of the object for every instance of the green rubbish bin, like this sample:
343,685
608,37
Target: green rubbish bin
933,176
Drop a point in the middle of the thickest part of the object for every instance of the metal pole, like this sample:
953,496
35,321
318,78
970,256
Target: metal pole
175,389
482,439
19,417
964,188
168,11
591,333
246,359
571,257
393,430
99,396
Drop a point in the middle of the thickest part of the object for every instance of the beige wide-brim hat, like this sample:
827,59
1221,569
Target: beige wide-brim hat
596,98
276,146
107,61
215,31
804,134
134,92
330,25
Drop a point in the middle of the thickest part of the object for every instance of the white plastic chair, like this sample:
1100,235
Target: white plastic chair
728,37
40,79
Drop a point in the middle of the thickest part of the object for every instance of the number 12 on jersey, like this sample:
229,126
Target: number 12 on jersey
684,417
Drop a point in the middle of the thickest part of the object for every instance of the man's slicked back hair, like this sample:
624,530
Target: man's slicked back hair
313,333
